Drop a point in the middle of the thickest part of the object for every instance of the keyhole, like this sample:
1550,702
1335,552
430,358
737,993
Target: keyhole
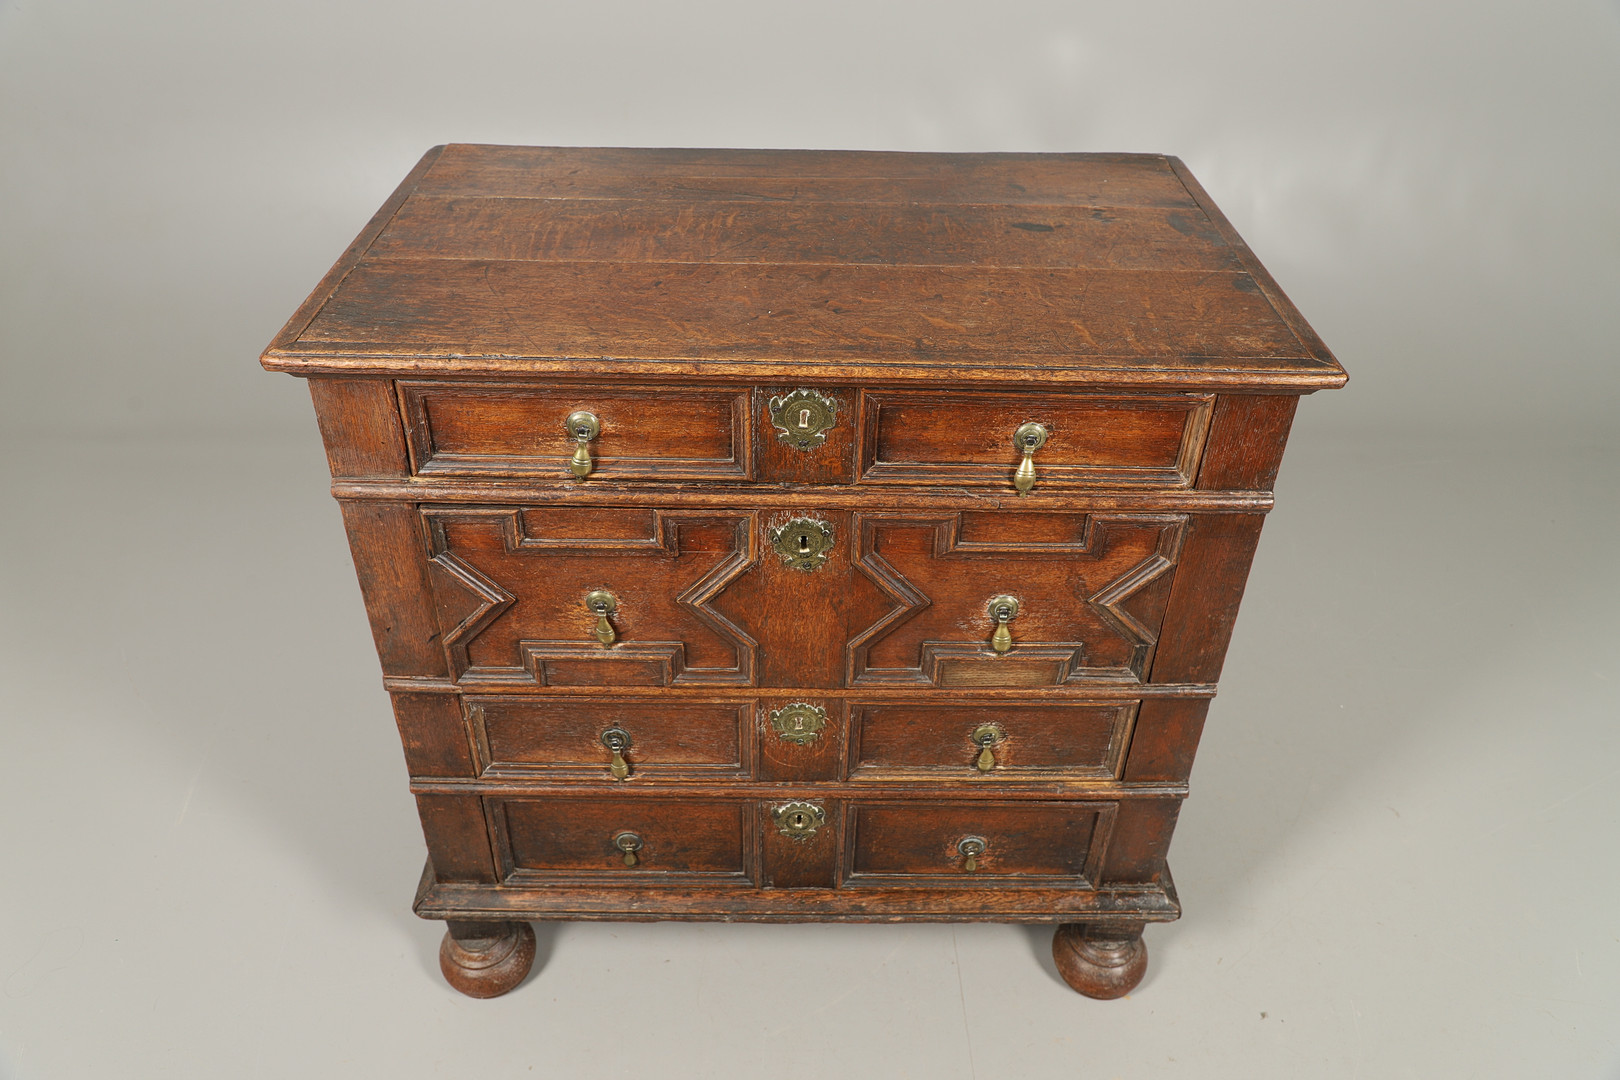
804,418
804,543
798,821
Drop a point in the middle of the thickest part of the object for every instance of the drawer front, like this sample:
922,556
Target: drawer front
988,741
1087,593
495,430
717,598
575,738
585,596
927,843
591,838
960,438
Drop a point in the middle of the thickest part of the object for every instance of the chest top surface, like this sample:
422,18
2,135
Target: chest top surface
975,268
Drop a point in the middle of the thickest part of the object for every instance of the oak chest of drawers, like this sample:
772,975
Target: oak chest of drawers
800,535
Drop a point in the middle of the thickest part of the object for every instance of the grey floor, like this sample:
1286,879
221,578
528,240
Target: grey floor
1398,860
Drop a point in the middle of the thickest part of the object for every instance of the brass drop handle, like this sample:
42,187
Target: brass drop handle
970,848
984,737
1028,438
602,603
617,740
629,843
584,427
1003,609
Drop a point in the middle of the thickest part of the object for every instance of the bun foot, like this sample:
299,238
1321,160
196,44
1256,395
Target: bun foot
1100,961
486,959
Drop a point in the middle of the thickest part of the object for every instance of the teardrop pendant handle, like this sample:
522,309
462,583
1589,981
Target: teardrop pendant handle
628,843
617,740
970,848
603,603
1002,609
584,427
1028,438
985,737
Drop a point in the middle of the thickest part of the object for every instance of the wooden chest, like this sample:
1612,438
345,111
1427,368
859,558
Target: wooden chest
800,535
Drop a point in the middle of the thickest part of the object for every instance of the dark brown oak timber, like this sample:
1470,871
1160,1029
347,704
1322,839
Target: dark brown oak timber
1100,960
486,959
800,535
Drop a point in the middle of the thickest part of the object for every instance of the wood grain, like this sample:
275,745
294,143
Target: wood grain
1204,601
1246,440
680,838
869,314
1112,268
803,232
359,426
516,736
1039,739
691,176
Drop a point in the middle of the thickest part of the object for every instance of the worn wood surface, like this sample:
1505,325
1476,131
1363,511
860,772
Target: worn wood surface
924,739
890,842
888,267
516,736
931,437
938,301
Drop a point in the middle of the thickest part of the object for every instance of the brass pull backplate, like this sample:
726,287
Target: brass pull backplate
802,418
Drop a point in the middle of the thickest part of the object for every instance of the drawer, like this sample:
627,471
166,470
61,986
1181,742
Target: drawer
990,740
926,843
589,596
574,738
962,438
645,433
711,597
1083,595
591,838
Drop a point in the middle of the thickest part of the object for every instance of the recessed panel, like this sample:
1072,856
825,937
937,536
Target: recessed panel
629,840
483,429
945,437
988,740
974,843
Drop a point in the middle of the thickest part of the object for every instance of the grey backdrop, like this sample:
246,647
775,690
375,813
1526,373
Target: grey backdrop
1399,856
1433,182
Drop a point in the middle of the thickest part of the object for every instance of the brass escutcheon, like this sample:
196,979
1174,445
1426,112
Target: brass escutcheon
799,722
803,417
802,542
799,820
